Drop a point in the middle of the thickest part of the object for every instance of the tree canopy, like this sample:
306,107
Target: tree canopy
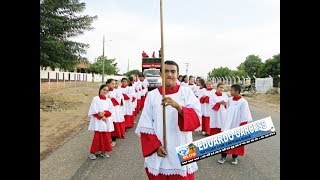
59,21
272,67
252,66
110,66
134,71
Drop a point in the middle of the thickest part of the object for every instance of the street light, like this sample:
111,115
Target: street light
103,59
187,64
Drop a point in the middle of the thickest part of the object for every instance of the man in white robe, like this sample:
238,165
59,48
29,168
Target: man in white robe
183,115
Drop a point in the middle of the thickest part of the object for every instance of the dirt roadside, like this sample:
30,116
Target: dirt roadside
63,112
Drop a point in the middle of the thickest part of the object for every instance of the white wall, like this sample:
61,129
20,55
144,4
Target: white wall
44,75
263,84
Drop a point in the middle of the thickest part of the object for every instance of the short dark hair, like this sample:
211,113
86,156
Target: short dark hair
219,84
202,82
185,76
109,81
171,63
124,79
101,87
236,87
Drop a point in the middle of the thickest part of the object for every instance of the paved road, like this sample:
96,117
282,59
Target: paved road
70,161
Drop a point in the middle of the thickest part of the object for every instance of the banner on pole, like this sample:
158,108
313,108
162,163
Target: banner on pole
239,136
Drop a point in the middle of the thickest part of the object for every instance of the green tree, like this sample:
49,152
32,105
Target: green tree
252,65
272,67
110,66
59,21
238,73
220,72
241,67
129,73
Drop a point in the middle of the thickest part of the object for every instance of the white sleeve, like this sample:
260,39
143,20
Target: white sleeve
145,124
111,110
93,108
229,101
193,102
133,92
118,96
245,112
212,100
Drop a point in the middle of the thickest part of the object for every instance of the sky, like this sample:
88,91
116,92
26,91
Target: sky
205,34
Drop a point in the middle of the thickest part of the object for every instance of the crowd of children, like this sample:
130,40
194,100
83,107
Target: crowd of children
219,112
113,111
117,104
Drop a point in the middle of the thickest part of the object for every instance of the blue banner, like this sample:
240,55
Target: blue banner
226,140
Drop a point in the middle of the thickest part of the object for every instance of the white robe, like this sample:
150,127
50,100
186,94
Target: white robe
138,89
150,122
200,92
206,108
217,117
133,93
127,107
184,84
121,99
237,113
119,117
194,88
99,105
145,84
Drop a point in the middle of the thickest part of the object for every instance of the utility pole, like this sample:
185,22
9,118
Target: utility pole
128,66
103,61
187,64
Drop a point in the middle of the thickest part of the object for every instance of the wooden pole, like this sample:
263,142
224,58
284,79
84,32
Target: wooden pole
40,79
49,78
163,80
57,76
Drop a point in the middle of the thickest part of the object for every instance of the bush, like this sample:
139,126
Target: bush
273,91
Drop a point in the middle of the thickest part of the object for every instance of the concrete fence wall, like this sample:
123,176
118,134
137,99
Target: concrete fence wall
73,76
55,80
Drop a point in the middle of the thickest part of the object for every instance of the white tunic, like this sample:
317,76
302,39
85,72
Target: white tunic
184,84
121,100
237,112
206,108
200,92
145,84
127,109
99,105
151,122
217,117
115,93
193,87
133,93
138,88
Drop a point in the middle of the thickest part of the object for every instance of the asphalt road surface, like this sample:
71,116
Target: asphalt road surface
70,161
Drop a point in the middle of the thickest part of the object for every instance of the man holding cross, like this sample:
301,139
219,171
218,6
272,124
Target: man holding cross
182,116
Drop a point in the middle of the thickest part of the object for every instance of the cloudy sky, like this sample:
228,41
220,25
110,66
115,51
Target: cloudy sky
206,34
